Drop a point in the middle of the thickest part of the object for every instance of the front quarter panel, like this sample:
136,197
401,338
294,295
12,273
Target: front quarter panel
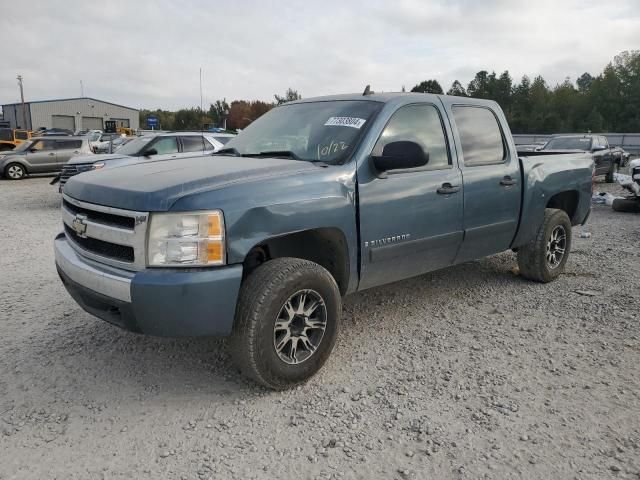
257,211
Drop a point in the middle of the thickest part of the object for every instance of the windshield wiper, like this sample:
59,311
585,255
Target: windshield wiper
228,151
274,153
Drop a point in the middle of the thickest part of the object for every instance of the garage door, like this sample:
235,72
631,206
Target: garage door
63,121
91,123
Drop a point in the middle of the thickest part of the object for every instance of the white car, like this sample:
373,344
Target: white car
96,138
163,146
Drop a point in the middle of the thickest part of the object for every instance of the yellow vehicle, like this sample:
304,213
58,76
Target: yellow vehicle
10,139
125,131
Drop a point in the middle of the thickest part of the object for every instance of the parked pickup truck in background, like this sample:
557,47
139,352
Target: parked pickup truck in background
607,160
317,199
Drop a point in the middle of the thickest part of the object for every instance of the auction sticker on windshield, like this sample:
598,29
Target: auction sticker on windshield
346,122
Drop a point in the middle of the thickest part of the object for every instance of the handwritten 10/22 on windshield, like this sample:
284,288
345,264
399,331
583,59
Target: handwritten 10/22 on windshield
333,147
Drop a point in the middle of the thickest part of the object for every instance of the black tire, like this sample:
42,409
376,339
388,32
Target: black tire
614,168
534,258
262,301
629,205
15,171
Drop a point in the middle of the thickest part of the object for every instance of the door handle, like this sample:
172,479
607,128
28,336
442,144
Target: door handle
507,181
447,189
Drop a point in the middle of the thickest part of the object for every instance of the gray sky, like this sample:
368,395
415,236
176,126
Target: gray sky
148,53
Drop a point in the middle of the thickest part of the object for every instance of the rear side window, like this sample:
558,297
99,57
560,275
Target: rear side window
222,140
480,136
69,144
192,144
420,124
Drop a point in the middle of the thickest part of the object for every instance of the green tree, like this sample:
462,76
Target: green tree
428,86
289,96
457,89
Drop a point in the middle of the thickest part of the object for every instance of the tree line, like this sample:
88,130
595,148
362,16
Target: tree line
232,116
606,102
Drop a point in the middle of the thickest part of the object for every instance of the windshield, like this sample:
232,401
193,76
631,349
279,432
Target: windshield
316,131
135,147
94,136
569,143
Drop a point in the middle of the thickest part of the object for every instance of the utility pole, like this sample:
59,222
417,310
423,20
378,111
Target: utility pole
24,111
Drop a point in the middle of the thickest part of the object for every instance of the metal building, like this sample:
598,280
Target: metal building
70,113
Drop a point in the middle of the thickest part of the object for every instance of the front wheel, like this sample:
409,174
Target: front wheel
15,171
544,257
287,322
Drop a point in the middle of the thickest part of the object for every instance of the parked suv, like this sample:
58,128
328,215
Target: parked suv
163,146
41,155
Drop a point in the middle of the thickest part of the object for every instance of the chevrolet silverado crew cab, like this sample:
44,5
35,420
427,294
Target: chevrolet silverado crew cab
317,199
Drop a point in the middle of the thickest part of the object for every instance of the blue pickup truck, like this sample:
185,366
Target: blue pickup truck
317,199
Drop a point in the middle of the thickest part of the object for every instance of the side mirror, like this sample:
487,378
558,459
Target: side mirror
400,155
33,150
150,152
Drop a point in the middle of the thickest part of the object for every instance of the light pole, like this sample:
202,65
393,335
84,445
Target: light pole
24,111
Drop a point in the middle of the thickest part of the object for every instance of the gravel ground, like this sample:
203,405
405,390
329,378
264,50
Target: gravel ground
470,372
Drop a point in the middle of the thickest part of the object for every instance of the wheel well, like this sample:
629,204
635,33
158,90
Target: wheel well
324,246
567,201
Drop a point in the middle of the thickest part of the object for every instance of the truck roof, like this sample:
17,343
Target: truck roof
396,97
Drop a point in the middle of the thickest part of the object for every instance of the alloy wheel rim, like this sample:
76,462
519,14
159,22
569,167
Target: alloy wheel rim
556,246
14,172
299,327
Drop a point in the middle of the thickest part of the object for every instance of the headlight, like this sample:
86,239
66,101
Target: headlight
186,239
97,166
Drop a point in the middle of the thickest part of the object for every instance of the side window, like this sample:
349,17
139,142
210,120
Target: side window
420,124
44,145
166,145
192,144
480,136
21,135
69,144
604,142
222,140
208,146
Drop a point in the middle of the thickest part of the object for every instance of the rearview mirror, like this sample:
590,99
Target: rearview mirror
150,152
400,155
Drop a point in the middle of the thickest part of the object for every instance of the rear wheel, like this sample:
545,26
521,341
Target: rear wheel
15,171
630,205
287,322
544,257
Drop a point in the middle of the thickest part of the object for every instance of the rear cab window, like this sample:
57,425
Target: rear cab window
480,135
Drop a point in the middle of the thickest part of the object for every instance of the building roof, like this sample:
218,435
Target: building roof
69,99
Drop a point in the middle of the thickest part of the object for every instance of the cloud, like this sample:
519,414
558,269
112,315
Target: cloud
148,54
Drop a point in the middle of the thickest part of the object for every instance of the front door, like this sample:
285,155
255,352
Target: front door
42,156
492,183
410,220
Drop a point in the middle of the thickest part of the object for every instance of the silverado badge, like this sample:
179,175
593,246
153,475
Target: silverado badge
79,225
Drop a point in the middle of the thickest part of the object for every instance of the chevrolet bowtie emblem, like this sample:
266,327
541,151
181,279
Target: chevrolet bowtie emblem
79,225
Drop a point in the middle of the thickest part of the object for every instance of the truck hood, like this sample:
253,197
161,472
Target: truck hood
155,186
95,158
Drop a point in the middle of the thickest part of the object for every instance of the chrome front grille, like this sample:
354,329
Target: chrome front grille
69,171
108,235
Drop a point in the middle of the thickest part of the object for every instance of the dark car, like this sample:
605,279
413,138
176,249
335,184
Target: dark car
603,157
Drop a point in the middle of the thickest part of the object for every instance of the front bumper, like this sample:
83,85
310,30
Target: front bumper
161,302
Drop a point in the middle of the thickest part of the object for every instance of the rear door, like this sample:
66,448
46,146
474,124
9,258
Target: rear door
492,184
411,219
42,156
67,149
